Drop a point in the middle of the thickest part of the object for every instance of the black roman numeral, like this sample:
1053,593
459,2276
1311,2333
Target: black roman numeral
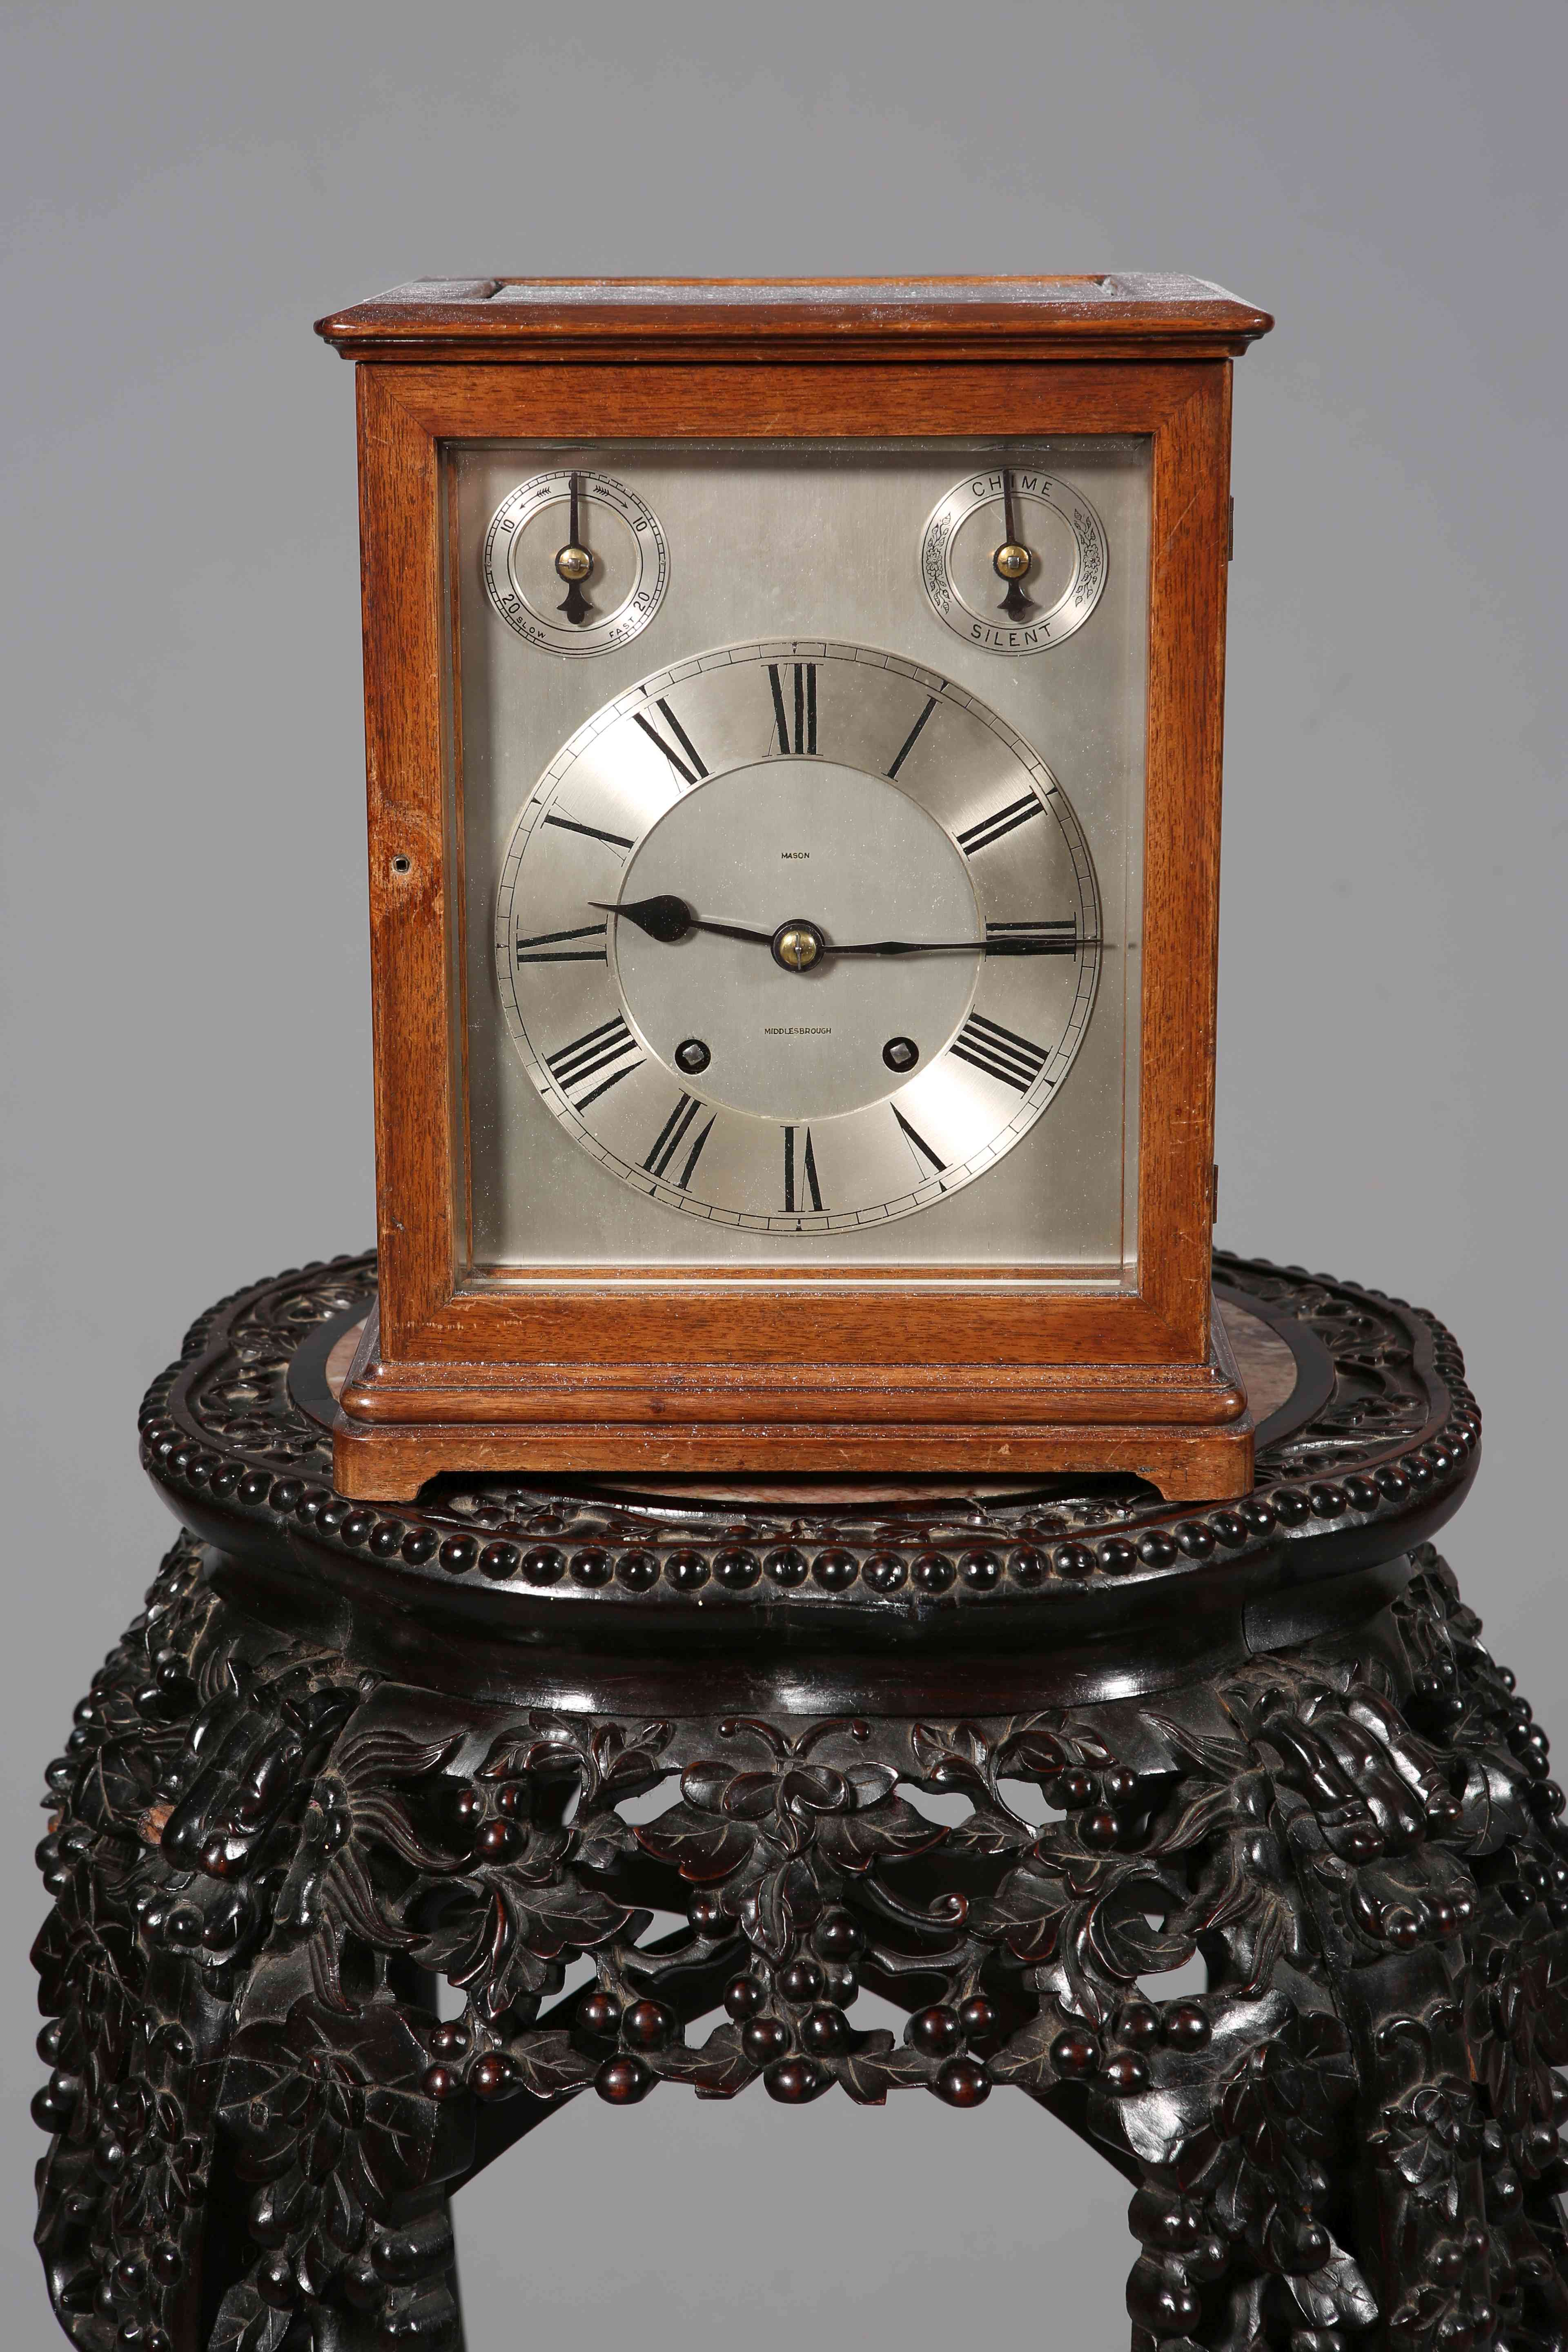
804,736
599,1049
672,1135
999,1052
570,825
1055,937
992,828
810,1187
549,947
908,745
918,1140
688,775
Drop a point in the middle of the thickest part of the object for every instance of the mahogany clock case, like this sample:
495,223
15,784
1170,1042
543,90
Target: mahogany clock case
739,1368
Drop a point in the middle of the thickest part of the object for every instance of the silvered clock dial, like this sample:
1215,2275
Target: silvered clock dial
797,937
1014,560
798,928
575,562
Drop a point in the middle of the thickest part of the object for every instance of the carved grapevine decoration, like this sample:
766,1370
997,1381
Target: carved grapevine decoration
259,1858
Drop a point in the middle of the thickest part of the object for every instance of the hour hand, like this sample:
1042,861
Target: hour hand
669,918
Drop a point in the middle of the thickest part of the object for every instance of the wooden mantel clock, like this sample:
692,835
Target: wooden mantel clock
794,720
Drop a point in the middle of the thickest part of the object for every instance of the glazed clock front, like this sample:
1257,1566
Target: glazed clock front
799,792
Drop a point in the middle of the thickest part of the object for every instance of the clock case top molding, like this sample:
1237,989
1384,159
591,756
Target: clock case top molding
745,1369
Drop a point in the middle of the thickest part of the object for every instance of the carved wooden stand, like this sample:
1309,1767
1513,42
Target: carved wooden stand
344,1752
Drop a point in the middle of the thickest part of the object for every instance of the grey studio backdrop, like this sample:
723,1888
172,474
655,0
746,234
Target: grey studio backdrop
184,932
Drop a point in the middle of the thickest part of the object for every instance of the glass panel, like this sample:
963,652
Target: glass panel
878,713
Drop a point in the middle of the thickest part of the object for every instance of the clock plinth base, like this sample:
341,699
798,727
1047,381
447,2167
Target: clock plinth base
1185,1430
390,1464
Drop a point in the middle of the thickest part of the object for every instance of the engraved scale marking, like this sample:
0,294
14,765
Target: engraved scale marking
801,740
550,946
672,1135
687,775
1001,1053
595,1050
1001,822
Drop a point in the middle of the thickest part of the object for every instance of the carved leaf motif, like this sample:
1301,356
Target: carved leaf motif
963,1752
122,1778
621,1758
1128,1944
565,1914
1197,2159
1276,2115
340,2220
963,1760
880,2065
886,1826
703,1850
496,1934
716,2069
990,1829
1217,1758
1026,2059
1025,1913
959,1759
609,1761
356,1909
1200,1815
1034,1749
744,1796
1494,1812
473,1941
356,1806
1156,2124
549,2065
246,2324
727,1818
89,1962
332,2093
1110,1936
1245,1886
1335,2296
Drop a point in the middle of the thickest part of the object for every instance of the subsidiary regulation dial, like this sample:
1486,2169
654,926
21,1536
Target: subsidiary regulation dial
797,937
1014,560
575,562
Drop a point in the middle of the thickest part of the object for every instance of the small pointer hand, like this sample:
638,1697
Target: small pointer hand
1015,603
575,605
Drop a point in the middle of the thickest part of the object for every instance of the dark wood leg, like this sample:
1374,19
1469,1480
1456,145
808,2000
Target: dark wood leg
136,2226
189,1987
1383,2163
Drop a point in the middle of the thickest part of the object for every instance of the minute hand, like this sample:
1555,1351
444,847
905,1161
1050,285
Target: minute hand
1053,945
